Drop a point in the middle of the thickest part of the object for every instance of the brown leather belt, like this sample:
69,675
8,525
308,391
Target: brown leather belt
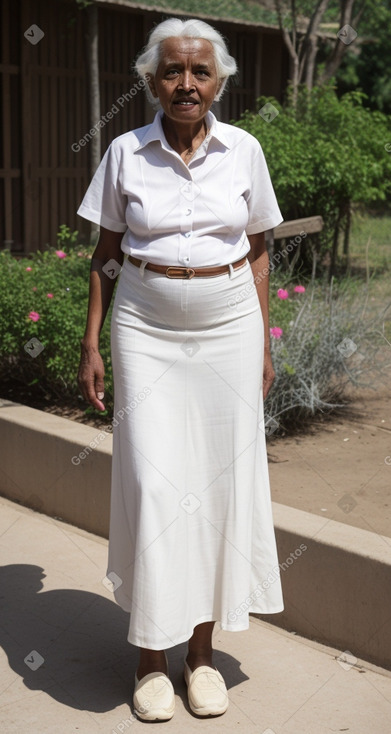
177,271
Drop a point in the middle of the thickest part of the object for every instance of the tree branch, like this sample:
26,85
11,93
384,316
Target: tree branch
339,48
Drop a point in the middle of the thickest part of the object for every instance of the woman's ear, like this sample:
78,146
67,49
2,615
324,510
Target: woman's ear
220,84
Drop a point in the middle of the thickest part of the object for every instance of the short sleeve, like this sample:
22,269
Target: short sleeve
104,203
263,209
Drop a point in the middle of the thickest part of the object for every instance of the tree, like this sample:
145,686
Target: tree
92,69
300,24
369,70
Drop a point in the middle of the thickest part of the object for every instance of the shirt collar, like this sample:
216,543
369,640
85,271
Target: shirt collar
155,131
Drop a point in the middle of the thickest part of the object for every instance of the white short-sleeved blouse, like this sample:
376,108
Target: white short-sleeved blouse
172,213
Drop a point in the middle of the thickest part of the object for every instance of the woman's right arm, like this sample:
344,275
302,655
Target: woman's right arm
91,369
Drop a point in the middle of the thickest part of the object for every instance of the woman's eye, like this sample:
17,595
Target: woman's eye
172,72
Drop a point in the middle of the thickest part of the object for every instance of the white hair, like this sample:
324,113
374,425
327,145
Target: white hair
149,58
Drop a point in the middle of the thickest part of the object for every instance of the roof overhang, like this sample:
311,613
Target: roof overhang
169,10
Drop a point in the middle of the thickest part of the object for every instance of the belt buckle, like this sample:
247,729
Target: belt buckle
189,272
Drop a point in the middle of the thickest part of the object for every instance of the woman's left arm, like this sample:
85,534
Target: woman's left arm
259,261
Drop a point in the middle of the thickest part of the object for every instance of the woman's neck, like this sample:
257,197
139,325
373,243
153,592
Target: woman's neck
184,138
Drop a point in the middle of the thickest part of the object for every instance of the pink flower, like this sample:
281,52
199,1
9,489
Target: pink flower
276,332
28,268
281,293
299,289
49,295
35,288
34,316
61,253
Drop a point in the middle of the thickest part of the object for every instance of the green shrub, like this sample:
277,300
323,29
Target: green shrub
323,156
56,289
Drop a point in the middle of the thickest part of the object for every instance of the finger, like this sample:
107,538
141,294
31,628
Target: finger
94,400
98,404
91,395
100,391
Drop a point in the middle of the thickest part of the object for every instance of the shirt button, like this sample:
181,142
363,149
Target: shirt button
187,234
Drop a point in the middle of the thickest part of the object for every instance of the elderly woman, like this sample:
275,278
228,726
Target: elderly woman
183,205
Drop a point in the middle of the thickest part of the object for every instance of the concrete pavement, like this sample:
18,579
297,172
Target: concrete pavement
67,666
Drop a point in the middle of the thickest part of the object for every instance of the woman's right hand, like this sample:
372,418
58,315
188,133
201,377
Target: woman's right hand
91,368
90,377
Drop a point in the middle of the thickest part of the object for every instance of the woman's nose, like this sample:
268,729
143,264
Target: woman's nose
187,80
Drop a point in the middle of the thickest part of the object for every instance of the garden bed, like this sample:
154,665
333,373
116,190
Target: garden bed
324,337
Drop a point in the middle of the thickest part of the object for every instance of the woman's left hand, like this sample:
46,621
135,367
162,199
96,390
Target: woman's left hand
268,374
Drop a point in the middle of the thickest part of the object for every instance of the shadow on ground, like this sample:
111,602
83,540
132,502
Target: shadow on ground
72,644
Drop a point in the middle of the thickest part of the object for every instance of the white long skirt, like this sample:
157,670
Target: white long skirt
191,528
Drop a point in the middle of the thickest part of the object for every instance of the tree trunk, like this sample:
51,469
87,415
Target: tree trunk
314,250
292,50
334,249
93,87
94,145
310,63
348,213
294,65
310,45
346,236
339,50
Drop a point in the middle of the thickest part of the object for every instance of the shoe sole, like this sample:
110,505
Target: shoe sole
160,716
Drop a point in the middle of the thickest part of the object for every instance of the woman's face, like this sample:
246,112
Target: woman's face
186,71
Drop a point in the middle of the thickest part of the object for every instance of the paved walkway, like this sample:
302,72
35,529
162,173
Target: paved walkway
67,666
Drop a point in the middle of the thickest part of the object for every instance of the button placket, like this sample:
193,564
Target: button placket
186,220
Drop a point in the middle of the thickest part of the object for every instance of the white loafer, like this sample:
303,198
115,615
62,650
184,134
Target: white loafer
154,697
206,690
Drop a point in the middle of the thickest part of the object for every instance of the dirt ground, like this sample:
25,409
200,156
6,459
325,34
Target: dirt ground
342,470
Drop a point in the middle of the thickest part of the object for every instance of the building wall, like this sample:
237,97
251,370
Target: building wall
44,150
